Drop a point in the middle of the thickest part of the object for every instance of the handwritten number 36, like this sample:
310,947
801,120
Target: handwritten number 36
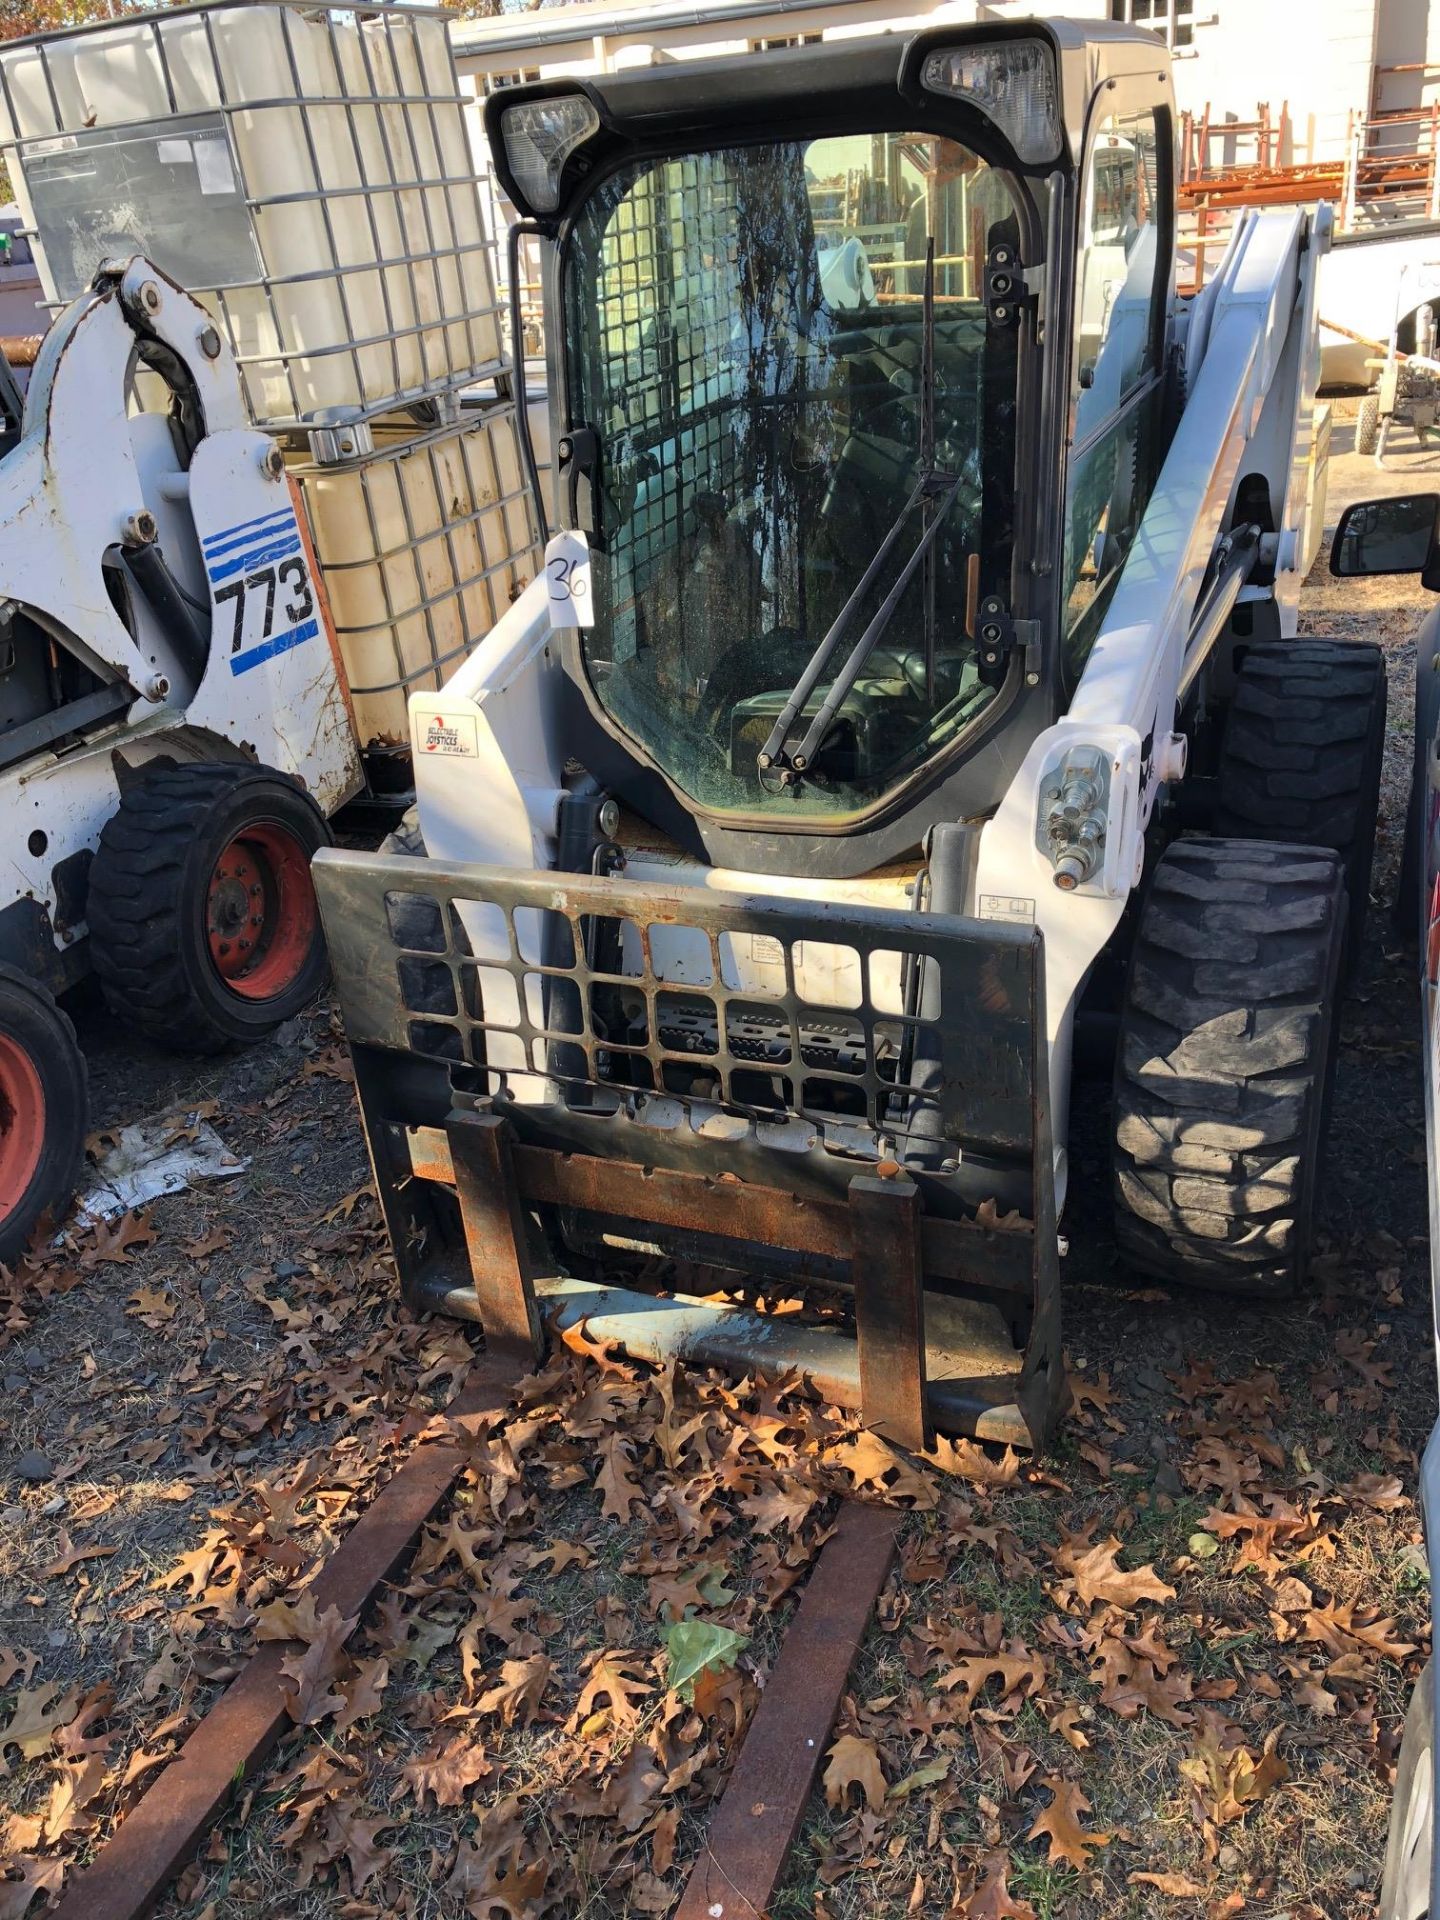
567,579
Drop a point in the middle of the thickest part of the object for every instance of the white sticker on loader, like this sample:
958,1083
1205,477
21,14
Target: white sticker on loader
1003,906
450,733
567,580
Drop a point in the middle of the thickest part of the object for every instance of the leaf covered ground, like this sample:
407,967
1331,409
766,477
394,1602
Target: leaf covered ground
1160,1671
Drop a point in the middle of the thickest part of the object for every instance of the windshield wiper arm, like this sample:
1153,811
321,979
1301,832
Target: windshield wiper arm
933,486
773,749
929,489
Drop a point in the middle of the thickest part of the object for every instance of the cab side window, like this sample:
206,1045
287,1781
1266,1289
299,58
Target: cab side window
1121,282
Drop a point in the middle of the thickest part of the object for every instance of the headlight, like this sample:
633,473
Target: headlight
1012,83
539,137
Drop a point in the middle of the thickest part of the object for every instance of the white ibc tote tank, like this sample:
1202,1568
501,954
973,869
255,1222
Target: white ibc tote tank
306,173
423,544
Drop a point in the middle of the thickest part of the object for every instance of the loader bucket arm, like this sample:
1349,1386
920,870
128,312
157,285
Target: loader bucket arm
900,1162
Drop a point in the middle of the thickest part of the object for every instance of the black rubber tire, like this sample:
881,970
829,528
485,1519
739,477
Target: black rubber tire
1405,1889
1367,424
147,903
1223,1071
31,1022
1301,758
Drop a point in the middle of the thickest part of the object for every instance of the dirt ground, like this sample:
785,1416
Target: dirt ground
1160,1672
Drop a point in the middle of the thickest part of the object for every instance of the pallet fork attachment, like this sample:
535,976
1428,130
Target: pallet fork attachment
514,1120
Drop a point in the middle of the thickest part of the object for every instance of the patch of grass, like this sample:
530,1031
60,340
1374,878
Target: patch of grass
1052,1891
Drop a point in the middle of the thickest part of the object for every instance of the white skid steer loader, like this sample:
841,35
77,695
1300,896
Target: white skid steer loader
174,726
914,668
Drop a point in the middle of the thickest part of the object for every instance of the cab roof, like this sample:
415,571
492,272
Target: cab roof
701,101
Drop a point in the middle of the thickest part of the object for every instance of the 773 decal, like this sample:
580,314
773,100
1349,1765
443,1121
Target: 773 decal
258,573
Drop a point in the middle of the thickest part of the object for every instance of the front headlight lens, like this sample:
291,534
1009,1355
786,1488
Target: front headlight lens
1014,84
539,137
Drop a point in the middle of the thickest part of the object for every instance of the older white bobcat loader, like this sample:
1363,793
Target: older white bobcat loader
916,642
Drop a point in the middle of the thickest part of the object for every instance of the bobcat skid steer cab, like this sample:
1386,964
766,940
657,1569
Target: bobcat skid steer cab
895,623
173,722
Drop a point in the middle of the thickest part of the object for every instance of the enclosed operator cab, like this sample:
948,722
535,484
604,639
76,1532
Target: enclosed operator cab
823,332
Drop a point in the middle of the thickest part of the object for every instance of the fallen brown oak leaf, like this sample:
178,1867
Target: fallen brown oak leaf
71,1556
519,1691
1060,1823
966,1460
1020,1674
447,1771
614,1682
488,1875
873,1462
854,1762
39,1715
991,1899
115,1245
1097,1575
619,1489
36,1876
1143,1689
629,1794
361,1692
782,1505
1336,1629
154,1305
1228,1779
76,1741
1382,1491
12,1663
215,1240
1173,1885
78,1783
315,1670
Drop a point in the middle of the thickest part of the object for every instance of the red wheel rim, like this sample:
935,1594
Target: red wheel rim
260,913
22,1123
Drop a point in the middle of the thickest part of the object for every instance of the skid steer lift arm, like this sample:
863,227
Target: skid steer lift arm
72,492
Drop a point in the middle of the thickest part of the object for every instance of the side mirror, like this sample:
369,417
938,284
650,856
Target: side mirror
1398,535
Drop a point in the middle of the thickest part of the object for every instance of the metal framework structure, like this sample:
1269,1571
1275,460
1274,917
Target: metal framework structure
950,1277
399,152
467,547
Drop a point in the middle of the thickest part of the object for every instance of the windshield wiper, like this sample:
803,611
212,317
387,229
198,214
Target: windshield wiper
933,492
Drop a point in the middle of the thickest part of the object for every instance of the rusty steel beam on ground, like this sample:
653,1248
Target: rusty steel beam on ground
163,1832
760,1811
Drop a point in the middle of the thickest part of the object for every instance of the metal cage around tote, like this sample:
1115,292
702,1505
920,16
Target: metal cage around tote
305,171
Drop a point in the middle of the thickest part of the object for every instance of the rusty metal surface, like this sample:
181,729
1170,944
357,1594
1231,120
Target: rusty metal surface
760,1811
20,349
496,1235
538,997
888,1279
987,1258
500,972
155,1840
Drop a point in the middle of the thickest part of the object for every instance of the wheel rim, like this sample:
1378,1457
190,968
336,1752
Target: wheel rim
260,913
22,1123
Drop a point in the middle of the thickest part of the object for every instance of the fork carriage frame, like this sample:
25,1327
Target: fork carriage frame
476,1004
